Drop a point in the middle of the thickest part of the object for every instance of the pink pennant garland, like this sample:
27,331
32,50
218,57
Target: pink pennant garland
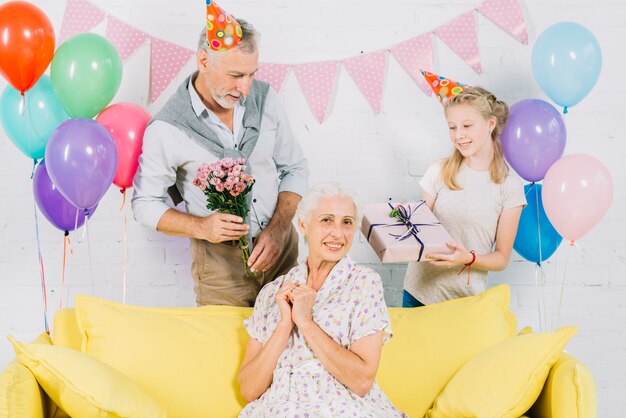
274,74
166,61
415,55
79,16
368,72
460,36
317,81
124,37
507,14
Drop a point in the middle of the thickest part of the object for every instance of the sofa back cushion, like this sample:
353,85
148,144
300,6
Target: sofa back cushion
185,358
432,343
65,332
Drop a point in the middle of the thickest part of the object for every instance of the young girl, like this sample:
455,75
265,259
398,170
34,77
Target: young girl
476,198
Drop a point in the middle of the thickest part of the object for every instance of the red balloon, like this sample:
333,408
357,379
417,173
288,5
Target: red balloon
126,122
26,44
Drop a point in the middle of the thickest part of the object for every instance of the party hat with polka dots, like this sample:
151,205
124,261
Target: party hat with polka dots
222,30
443,87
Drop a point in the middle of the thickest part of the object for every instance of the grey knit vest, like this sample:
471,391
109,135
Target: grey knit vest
178,111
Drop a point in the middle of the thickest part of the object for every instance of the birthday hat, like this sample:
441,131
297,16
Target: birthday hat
222,30
443,87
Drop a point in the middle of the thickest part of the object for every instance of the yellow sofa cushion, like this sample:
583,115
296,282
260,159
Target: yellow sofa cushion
84,387
432,343
20,394
569,391
502,381
187,358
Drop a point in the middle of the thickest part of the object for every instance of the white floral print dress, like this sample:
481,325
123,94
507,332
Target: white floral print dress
350,305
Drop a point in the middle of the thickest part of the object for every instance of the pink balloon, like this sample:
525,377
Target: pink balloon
577,192
126,122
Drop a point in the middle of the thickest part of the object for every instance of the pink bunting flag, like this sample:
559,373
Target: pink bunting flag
507,14
368,72
124,37
317,81
166,61
80,16
460,36
274,74
413,56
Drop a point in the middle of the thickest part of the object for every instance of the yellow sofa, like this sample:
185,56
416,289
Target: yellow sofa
461,358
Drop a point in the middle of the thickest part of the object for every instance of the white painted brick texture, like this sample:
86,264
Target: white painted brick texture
379,156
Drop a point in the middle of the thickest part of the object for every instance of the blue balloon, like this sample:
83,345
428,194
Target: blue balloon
534,227
566,62
30,120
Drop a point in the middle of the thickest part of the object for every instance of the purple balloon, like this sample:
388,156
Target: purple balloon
56,208
533,138
81,158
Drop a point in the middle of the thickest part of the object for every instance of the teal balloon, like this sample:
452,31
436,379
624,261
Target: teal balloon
86,73
535,228
566,62
30,120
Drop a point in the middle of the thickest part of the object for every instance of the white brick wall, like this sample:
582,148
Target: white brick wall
380,157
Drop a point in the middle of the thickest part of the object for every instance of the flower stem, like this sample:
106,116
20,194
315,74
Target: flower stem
245,253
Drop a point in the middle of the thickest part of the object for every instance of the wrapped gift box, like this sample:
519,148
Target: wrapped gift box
409,236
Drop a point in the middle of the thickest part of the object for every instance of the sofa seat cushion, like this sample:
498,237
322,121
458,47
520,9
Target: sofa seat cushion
186,358
83,386
432,343
504,380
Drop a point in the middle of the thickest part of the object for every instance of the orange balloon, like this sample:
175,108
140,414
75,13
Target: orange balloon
26,44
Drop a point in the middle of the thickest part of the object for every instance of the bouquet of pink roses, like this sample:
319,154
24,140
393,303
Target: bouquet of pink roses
226,185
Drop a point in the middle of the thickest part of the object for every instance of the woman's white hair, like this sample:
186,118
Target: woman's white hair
311,200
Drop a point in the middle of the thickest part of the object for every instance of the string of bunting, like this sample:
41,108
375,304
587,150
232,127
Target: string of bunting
316,79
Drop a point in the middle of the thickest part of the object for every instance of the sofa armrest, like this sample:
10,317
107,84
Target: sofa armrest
20,394
569,391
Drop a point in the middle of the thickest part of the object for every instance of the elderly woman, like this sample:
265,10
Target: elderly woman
317,332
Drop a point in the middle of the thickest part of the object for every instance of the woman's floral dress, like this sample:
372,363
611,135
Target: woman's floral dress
349,306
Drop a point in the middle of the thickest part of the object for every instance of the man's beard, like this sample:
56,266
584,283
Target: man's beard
224,102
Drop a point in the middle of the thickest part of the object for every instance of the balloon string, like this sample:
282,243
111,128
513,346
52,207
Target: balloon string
93,282
44,291
540,281
538,224
32,174
76,220
66,244
558,318
125,263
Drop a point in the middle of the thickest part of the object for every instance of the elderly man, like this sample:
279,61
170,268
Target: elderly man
218,112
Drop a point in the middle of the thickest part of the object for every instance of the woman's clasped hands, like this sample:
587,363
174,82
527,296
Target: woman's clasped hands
295,302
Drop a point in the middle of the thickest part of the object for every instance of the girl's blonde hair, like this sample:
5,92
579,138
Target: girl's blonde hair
487,105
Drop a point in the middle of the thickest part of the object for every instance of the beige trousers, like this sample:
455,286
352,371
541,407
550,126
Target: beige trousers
219,275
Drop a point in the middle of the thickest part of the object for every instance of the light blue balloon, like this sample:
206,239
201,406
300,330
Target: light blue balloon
30,120
566,62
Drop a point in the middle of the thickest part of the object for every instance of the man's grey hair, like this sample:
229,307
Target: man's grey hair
247,43
311,200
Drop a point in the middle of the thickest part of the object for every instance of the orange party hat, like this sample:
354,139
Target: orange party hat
443,87
222,30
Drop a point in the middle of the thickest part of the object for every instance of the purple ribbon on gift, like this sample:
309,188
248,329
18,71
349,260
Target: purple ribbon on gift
404,216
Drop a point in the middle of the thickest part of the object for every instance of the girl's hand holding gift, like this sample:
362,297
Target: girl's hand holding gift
460,256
